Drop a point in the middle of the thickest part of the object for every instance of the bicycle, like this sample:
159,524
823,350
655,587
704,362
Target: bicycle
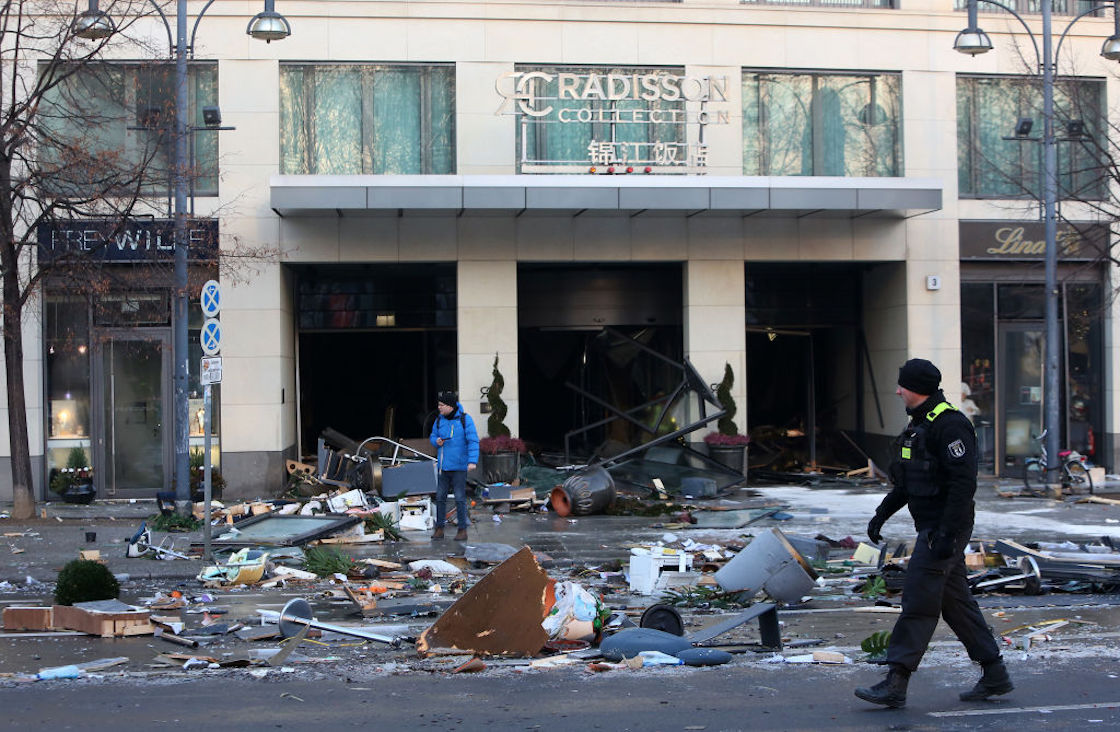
1075,476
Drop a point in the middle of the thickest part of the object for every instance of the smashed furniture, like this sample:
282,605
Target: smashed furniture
105,618
499,616
141,544
769,563
283,530
675,411
1065,566
768,626
652,568
244,567
1028,578
296,618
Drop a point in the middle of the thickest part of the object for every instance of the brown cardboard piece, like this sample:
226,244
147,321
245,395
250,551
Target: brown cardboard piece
500,616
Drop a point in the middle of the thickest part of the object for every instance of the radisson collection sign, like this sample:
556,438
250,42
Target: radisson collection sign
616,102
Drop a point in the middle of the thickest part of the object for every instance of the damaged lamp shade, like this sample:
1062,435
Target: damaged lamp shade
768,563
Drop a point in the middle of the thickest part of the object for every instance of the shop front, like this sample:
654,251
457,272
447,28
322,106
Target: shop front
1003,342
108,362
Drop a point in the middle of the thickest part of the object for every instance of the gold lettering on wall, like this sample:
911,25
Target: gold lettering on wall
1012,241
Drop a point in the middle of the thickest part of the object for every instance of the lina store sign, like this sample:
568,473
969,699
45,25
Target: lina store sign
136,240
1012,241
649,121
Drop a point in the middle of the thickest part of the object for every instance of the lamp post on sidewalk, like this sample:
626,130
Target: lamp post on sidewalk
268,26
973,41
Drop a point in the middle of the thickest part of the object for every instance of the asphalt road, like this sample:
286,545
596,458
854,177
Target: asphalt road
1080,694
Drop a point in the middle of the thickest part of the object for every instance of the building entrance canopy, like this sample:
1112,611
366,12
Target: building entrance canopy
341,195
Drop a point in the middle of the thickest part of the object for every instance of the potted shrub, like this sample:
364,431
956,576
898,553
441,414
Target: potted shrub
198,476
74,483
726,445
499,453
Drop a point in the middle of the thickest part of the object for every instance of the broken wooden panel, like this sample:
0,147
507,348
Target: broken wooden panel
28,618
106,618
500,616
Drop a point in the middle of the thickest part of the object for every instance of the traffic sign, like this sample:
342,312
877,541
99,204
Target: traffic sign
211,299
211,370
211,337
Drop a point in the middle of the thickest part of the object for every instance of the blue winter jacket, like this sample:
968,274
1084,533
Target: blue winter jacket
460,440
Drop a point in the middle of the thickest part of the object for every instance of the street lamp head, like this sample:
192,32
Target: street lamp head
1023,127
269,25
972,41
94,24
211,116
1111,48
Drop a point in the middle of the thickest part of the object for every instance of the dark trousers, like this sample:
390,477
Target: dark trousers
454,482
938,588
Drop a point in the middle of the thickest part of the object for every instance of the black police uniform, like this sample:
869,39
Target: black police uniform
934,475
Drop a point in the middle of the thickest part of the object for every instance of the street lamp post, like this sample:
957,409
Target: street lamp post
973,41
267,26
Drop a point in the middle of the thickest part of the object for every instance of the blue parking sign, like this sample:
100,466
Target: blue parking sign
211,299
211,337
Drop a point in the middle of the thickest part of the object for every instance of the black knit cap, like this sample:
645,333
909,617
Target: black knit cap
450,398
919,376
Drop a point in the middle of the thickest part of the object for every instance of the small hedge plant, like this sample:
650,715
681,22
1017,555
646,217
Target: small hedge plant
84,580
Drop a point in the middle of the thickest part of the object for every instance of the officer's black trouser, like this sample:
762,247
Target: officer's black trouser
938,588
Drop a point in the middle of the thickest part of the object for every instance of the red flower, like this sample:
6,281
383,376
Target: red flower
720,440
495,445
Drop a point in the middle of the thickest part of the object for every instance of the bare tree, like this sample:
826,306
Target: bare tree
61,158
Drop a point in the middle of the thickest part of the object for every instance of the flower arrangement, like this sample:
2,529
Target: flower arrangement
503,443
76,472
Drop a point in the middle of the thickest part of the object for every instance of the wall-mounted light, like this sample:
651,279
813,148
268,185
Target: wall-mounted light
211,116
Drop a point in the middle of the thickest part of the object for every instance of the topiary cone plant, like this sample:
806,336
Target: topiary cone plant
500,454
726,424
495,423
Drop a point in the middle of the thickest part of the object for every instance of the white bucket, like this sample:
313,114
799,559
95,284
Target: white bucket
768,563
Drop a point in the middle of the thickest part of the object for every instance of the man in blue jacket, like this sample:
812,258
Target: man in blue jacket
456,438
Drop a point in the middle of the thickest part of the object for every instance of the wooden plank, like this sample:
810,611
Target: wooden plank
383,563
28,618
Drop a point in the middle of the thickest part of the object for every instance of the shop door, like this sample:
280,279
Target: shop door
1022,347
133,406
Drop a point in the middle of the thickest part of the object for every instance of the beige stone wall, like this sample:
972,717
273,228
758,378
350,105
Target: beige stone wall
485,39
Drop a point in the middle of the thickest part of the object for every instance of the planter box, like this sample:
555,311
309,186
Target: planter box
733,456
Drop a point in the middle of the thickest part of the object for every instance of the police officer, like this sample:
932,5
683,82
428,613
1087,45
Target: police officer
933,471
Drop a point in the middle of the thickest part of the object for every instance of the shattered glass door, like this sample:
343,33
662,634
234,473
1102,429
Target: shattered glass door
133,441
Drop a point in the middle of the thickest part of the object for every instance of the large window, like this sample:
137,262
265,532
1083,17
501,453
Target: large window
68,390
1058,7
365,118
828,3
991,166
111,125
821,124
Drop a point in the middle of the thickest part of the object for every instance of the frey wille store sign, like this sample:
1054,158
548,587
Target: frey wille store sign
1014,240
137,240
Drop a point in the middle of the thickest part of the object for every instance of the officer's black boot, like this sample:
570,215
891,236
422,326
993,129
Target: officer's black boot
994,681
891,691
